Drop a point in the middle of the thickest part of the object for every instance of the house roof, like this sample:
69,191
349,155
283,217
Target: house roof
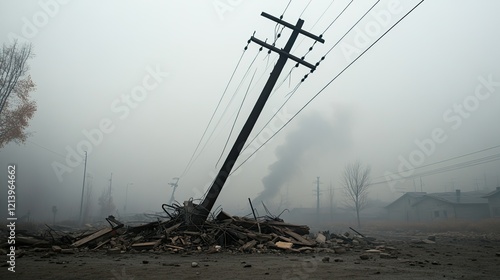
493,193
415,195
451,197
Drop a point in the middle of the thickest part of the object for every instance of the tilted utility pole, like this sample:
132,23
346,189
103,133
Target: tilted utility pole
200,212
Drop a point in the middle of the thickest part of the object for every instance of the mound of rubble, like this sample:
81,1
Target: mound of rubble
224,233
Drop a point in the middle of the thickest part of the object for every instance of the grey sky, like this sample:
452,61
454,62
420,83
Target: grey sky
92,55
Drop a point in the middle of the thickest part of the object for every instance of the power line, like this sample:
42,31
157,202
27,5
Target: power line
235,119
47,149
215,111
328,84
461,165
297,86
337,16
445,160
305,8
314,43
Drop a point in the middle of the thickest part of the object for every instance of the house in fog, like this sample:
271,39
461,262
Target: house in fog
452,205
494,202
402,208
421,207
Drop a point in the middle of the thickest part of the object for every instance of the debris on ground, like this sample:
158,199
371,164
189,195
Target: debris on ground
222,233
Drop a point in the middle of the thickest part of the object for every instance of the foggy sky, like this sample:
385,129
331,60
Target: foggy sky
92,56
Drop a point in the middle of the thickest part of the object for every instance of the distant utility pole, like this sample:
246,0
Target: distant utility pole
83,188
110,184
173,185
331,200
318,193
201,211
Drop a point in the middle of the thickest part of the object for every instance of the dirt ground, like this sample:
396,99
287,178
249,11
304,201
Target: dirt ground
452,256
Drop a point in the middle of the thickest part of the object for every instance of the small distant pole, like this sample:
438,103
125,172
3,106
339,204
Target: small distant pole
83,187
318,192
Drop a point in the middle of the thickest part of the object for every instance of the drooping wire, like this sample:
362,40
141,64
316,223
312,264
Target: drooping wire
237,115
448,168
317,64
276,34
289,95
441,161
324,87
314,43
188,166
230,101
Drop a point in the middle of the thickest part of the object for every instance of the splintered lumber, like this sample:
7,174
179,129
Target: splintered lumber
248,245
299,229
173,247
224,216
94,236
284,245
145,245
172,228
299,238
102,244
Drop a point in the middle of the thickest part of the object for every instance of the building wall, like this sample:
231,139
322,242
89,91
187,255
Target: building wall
494,205
402,210
431,209
472,211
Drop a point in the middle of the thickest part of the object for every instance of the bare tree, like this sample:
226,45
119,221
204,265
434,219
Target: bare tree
355,181
16,107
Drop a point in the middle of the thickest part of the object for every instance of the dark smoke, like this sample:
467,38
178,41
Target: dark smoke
315,135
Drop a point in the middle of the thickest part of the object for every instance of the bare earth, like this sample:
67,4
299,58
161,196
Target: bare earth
453,256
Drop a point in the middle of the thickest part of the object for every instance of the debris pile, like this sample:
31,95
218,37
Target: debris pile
222,233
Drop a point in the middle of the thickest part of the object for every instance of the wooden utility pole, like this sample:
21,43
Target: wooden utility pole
174,185
318,192
83,189
200,212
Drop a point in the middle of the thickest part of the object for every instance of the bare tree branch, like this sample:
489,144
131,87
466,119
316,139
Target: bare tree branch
16,108
355,181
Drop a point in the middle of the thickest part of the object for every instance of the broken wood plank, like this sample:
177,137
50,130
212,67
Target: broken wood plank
284,245
299,229
172,228
249,245
92,237
299,238
286,239
102,244
173,247
144,245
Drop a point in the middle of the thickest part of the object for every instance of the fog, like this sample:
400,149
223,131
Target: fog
135,83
